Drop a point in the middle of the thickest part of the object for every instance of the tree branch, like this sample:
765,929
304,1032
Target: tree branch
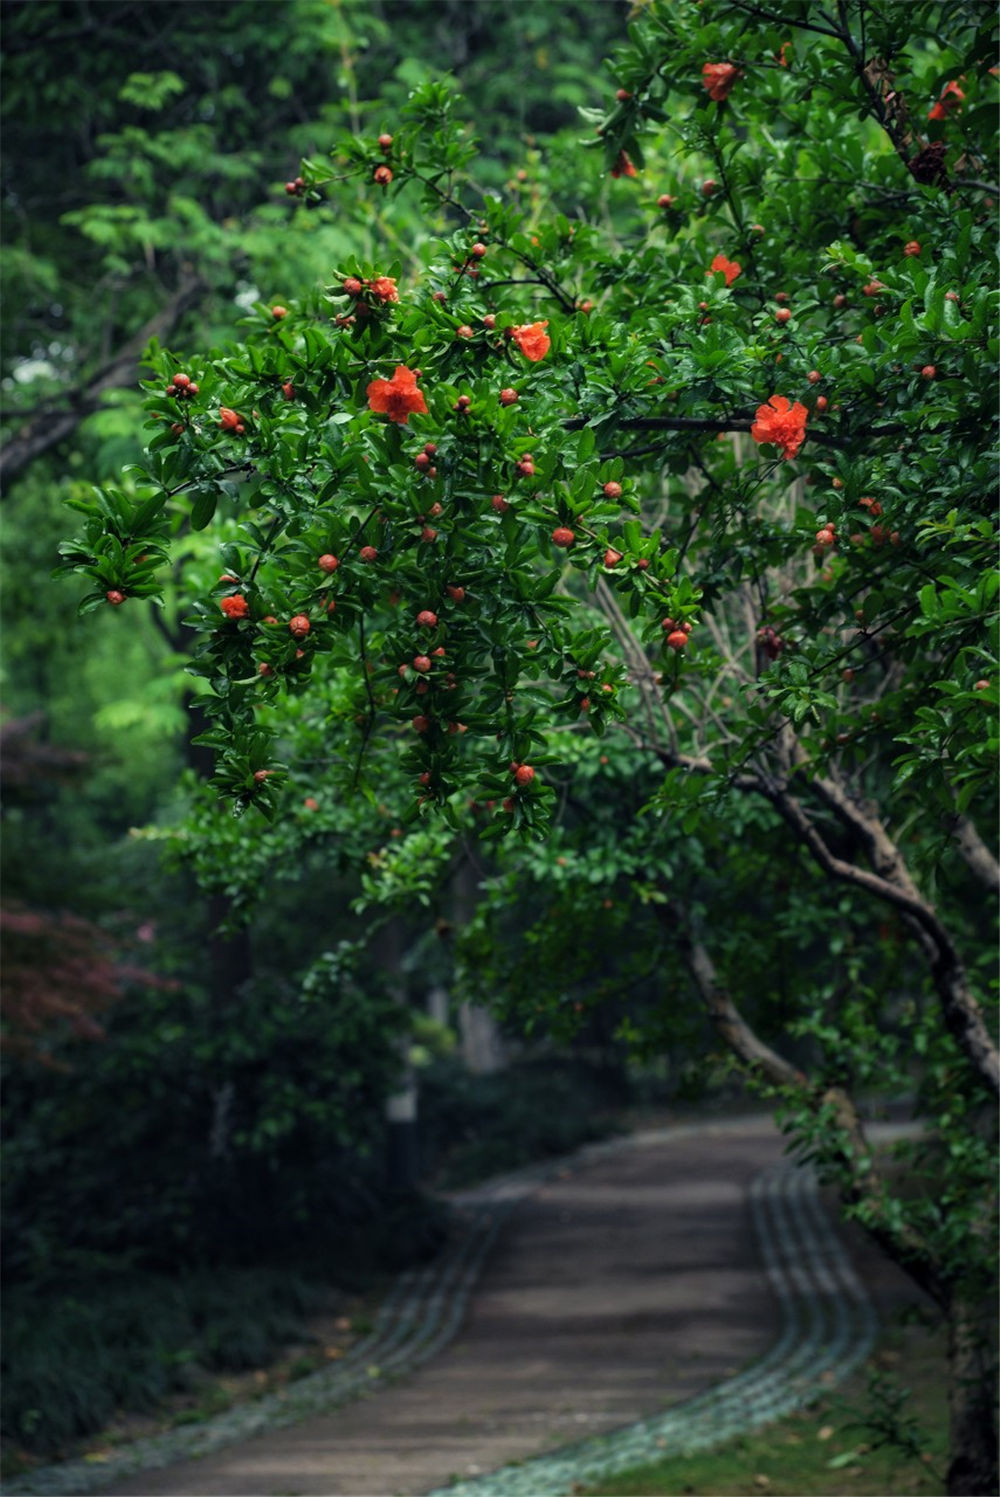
724,1014
862,1184
758,12
50,425
865,1188
700,764
888,880
892,882
975,852
991,187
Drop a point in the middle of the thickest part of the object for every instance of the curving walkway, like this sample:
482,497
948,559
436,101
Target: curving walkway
827,1328
692,1267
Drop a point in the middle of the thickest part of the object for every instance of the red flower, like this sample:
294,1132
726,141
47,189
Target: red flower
781,423
532,339
729,268
781,56
624,165
951,97
384,287
718,78
235,607
398,397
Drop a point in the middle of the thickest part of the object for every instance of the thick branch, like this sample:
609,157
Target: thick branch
699,764
975,852
728,1020
902,895
893,883
890,881
51,424
863,1185
862,820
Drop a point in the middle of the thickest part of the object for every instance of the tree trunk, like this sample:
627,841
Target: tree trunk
481,1043
482,1046
972,1406
402,1165
402,1162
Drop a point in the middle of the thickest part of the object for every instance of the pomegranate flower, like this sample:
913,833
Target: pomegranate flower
729,268
718,78
532,339
624,165
781,423
951,97
398,397
384,287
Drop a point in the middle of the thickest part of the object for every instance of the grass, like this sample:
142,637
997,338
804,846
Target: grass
864,1440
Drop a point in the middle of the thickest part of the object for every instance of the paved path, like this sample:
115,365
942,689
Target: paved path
640,1276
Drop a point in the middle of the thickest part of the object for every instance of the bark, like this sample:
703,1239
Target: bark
972,1469
54,422
972,1388
866,1187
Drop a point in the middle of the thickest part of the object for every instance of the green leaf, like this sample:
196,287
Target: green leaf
203,508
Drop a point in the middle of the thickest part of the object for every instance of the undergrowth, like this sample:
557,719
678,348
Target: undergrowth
72,1361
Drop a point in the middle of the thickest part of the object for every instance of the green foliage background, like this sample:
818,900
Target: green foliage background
843,687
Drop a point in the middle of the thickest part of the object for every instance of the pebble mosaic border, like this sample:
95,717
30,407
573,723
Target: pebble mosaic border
828,1327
